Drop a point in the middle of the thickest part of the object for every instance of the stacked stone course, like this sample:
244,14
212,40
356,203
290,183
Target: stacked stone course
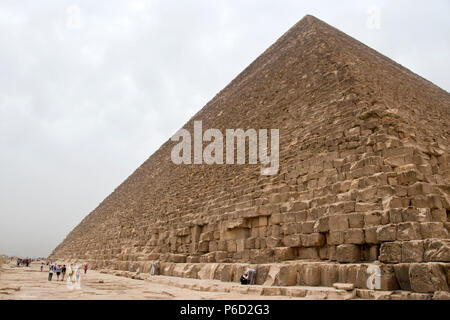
364,179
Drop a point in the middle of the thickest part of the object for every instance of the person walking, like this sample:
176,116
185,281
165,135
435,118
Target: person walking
63,272
71,272
77,275
58,272
85,268
42,267
50,273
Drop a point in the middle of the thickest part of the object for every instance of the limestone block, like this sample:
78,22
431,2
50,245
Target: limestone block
328,274
308,253
431,230
348,253
427,277
354,236
439,215
203,246
416,214
396,215
292,241
309,275
300,205
312,240
287,276
391,252
221,256
275,219
408,231
338,222
412,251
321,225
231,246
284,254
387,233
273,242
335,237
402,275
437,250
356,220
307,227
370,235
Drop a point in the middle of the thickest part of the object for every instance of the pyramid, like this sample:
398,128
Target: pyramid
363,180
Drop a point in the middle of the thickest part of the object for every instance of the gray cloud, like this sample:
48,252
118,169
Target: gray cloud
82,107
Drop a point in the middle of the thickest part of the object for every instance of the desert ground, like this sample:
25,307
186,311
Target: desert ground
22,283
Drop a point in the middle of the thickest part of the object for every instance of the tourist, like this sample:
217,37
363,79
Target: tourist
71,272
85,268
50,273
244,278
58,272
42,267
77,274
63,272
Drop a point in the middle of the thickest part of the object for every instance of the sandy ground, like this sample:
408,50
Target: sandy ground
19,283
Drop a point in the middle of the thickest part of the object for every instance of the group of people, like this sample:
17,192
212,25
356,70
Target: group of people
61,270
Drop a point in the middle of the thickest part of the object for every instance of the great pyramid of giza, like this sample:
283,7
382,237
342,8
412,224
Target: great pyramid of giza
364,179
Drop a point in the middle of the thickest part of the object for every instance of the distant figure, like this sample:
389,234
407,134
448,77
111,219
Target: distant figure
71,272
63,272
85,268
77,274
132,267
244,278
50,273
42,267
58,272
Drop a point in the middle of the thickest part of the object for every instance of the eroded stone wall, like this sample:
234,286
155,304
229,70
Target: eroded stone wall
364,172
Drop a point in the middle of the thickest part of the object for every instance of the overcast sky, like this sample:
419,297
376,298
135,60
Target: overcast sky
90,89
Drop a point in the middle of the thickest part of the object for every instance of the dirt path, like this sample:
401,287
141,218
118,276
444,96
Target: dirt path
20,283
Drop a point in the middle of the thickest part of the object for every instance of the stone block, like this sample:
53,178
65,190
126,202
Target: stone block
402,275
354,236
437,250
412,251
370,235
391,252
387,233
408,231
308,253
284,254
335,237
427,277
435,230
347,253
312,240
356,220
292,241
338,222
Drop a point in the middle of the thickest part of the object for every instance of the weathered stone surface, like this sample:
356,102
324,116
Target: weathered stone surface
427,277
348,253
391,252
437,250
363,177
